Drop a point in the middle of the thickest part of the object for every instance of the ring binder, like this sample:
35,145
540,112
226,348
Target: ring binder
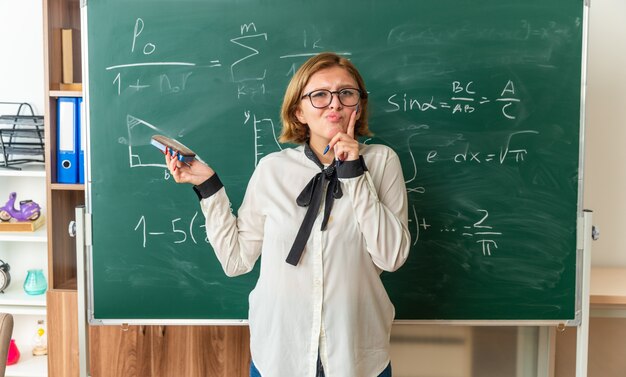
67,153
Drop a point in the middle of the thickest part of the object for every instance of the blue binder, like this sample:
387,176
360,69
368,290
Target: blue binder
82,139
67,146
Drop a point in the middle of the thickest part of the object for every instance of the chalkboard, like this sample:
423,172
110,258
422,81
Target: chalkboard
480,99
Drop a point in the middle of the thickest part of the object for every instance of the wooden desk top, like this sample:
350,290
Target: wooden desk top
608,286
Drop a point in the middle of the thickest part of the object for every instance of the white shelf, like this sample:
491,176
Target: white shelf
28,170
24,310
28,365
15,301
40,235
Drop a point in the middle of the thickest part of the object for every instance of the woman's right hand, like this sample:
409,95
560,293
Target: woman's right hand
196,172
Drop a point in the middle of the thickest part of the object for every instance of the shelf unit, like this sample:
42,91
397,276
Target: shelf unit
24,250
61,198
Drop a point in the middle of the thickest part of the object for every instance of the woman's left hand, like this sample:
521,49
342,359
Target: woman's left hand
344,145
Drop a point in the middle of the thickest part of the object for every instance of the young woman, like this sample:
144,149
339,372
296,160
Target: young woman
328,217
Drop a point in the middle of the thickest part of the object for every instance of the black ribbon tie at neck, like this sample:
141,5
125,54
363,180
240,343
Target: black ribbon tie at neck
311,197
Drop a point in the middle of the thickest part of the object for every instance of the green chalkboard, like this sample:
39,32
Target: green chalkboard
480,99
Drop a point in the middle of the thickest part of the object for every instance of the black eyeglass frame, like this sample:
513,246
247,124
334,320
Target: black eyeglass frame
335,92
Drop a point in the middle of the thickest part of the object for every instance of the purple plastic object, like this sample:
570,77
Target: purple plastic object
29,210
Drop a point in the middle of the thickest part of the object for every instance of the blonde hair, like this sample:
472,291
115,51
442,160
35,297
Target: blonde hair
295,132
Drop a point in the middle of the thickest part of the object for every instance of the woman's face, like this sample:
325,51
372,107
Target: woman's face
324,123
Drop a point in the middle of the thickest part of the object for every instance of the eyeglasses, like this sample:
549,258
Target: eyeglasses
321,98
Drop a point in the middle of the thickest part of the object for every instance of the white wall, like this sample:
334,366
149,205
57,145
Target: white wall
21,54
605,157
